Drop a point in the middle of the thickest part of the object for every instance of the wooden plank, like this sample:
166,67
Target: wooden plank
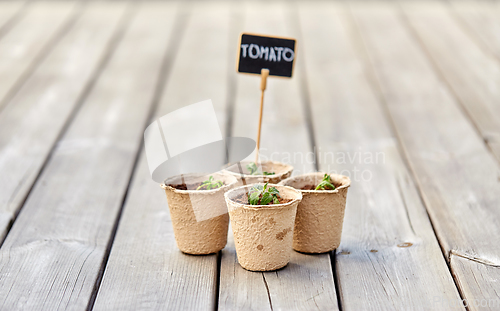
456,175
482,18
389,258
470,71
283,112
307,282
33,120
22,48
471,276
146,270
53,255
9,12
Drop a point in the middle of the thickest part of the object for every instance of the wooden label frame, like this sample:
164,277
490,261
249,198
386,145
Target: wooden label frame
257,52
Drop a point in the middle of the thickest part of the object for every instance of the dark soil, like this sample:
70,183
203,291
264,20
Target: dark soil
313,187
189,186
308,187
243,199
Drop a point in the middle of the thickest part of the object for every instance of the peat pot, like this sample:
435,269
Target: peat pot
263,234
320,214
199,217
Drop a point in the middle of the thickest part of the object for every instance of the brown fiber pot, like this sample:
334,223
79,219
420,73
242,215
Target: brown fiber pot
263,235
281,170
199,217
320,214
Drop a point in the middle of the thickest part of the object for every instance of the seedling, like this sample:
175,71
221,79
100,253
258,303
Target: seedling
325,184
210,184
263,195
252,168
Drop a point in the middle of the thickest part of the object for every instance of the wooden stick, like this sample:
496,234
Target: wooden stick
264,73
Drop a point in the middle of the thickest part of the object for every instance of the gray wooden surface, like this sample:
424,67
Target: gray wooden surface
413,85
145,269
23,46
473,73
34,119
308,277
387,234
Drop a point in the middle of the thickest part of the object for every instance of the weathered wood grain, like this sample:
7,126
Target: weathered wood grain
483,21
23,46
456,174
471,275
389,258
9,13
283,116
56,249
307,282
468,65
54,252
146,270
480,21
33,120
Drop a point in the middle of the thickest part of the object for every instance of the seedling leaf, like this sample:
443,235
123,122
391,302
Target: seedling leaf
253,170
263,195
325,184
210,184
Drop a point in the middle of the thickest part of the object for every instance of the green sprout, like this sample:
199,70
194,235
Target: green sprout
263,195
252,168
325,184
210,184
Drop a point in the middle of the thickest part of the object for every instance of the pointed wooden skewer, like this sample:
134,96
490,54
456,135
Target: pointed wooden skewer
264,73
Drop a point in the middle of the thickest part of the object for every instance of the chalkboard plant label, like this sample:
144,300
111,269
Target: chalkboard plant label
198,214
320,214
263,234
274,53
265,56
268,172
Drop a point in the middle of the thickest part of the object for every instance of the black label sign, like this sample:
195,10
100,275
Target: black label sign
273,53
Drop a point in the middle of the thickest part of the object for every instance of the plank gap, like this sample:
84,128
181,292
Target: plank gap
236,21
377,88
79,102
293,15
267,289
336,280
475,35
13,19
470,32
68,23
124,24
217,281
442,76
163,75
307,282
166,273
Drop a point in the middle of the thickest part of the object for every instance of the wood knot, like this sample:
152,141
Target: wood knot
405,244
